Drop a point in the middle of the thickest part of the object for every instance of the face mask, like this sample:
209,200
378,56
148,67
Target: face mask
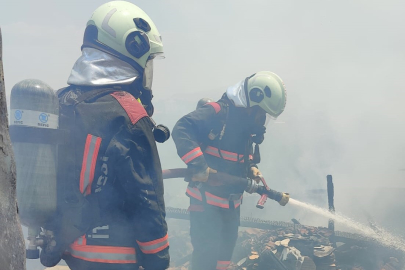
258,121
258,138
138,91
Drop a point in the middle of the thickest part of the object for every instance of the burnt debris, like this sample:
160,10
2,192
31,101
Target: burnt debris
289,246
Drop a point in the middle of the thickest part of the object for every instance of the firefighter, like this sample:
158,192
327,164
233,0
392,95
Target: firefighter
219,137
116,162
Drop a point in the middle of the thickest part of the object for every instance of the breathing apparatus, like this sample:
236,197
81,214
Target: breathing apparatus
202,102
258,130
35,134
161,133
255,121
121,30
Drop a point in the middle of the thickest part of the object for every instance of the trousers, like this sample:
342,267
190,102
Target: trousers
213,232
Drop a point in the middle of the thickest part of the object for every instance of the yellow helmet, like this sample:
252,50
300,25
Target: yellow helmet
125,31
266,90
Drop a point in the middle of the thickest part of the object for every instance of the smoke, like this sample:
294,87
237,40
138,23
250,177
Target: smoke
342,63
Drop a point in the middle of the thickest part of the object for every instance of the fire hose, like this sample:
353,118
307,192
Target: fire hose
249,185
218,179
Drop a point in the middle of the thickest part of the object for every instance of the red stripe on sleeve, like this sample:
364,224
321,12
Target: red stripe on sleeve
84,163
93,164
196,152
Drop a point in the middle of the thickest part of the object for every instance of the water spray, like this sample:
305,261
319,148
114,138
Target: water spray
384,237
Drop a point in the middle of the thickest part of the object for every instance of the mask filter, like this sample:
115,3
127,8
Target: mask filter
161,133
258,131
258,138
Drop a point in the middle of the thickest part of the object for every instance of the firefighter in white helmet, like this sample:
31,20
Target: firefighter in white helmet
113,159
219,137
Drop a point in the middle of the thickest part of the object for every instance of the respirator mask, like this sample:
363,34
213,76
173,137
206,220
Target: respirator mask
259,121
143,88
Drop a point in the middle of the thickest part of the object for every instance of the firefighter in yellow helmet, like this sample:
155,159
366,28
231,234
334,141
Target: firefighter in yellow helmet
219,137
112,159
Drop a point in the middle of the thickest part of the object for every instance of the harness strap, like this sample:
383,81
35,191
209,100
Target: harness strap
211,199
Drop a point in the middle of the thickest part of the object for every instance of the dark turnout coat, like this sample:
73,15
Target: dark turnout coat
116,160
215,136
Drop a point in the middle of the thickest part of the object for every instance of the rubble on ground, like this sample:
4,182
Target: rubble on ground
290,247
301,248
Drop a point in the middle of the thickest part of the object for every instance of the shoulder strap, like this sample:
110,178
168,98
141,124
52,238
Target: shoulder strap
92,94
61,91
88,93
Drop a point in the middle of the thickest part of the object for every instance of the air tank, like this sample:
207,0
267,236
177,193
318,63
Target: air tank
34,113
202,102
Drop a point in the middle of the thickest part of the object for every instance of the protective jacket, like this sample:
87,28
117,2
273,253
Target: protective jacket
216,135
116,162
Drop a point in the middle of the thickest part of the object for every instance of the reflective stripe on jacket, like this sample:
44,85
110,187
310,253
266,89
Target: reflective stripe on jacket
211,198
193,154
90,154
102,254
154,246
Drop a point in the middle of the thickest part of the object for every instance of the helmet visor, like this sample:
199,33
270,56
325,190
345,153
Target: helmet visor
148,71
158,56
268,119
261,117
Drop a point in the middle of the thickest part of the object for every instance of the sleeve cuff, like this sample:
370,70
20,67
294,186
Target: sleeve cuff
253,165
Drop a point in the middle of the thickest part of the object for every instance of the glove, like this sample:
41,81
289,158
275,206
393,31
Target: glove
284,199
202,176
51,252
255,174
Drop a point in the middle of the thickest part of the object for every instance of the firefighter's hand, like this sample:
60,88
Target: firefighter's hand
202,176
255,174
284,199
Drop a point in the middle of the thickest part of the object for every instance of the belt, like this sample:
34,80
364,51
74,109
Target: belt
212,199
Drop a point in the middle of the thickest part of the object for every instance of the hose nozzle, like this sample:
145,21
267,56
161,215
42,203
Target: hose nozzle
280,197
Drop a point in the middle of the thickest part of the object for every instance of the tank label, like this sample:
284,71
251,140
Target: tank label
34,119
